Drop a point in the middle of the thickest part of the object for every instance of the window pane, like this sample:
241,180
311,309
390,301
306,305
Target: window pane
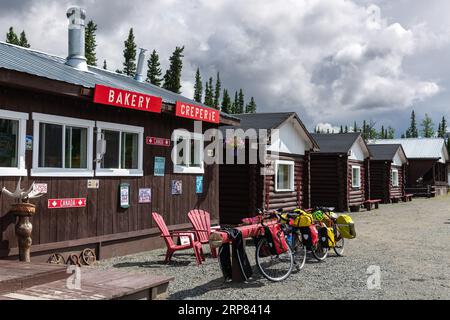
111,158
9,132
355,178
129,150
76,148
195,160
50,145
283,176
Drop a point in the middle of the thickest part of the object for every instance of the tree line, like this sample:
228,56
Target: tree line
212,95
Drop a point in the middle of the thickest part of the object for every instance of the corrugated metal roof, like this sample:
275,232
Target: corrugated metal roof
336,142
416,148
53,67
384,151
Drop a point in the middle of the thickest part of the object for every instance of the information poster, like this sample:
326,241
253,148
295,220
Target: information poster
177,187
199,184
145,195
124,193
160,166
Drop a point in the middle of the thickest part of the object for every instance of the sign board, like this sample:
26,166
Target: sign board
191,111
124,195
29,143
40,188
145,195
93,184
127,99
66,203
177,187
160,166
199,184
154,141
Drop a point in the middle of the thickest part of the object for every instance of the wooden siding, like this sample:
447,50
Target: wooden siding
102,216
381,181
356,196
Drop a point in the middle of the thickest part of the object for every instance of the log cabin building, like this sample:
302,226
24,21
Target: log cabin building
340,171
428,159
243,189
388,166
82,134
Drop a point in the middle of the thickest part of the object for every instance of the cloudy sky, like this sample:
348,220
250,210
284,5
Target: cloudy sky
331,61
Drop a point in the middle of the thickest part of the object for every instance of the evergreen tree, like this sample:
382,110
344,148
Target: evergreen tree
382,134
442,128
427,127
346,129
390,133
198,87
11,37
90,43
23,41
341,130
226,102
105,66
206,100
154,69
251,106
172,78
209,93
412,131
217,92
403,136
129,53
355,127
235,105
241,102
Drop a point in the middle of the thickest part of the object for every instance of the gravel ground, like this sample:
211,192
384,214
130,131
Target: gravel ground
409,242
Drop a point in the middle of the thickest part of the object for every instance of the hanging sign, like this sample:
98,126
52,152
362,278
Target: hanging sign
66,203
160,166
191,111
40,188
127,99
124,195
154,141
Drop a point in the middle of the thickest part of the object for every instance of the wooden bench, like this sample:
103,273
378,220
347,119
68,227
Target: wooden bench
373,202
408,197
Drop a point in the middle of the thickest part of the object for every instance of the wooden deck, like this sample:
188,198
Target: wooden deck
20,281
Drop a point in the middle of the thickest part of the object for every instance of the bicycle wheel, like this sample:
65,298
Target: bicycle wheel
273,267
339,243
319,252
299,251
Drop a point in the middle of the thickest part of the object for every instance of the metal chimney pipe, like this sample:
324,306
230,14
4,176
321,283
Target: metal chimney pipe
76,57
139,76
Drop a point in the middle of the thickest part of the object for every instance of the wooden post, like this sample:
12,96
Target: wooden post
24,228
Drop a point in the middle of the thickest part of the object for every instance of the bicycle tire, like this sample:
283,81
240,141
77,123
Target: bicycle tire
261,258
299,251
319,252
339,249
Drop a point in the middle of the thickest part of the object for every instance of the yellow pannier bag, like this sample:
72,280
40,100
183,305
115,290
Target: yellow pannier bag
330,236
303,220
346,226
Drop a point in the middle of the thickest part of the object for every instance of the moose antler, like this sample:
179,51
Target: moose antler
20,194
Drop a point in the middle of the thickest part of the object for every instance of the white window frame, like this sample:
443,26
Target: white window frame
395,183
117,127
291,164
358,185
37,171
20,170
189,136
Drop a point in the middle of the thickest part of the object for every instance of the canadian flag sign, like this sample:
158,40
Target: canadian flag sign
66,203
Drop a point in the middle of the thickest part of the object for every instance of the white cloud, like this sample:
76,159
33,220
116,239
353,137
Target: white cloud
327,128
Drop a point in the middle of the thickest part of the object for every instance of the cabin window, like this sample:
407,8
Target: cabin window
62,146
187,153
356,177
124,150
284,175
12,143
395,182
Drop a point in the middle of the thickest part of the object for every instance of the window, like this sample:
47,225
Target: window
124,150
12,143
187,153
62,146
356,177
284,175
395,182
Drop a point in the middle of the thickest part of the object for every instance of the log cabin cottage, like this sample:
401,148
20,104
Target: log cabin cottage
388,166
428,159
243,189
340,171
82,134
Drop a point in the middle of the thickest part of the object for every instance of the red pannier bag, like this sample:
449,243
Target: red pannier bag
276,239
310,235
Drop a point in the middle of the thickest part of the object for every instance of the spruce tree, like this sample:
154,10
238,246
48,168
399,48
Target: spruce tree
209,94
355,127
11,37
382,134
23,41
427,127
251,106
154,69
235,105
129,53
403,136
217,92
346,129
412,131
442,128
90,43
341,130
172,78
105,66
390,133
226,102
198,87
241,102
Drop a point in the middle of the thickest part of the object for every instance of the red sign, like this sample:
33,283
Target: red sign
154,141
191,111
66,203
127,99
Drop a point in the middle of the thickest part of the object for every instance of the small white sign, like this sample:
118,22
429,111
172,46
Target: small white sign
40,188
93,184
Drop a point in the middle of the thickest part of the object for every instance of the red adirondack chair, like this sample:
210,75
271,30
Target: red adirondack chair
171,246
201,221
